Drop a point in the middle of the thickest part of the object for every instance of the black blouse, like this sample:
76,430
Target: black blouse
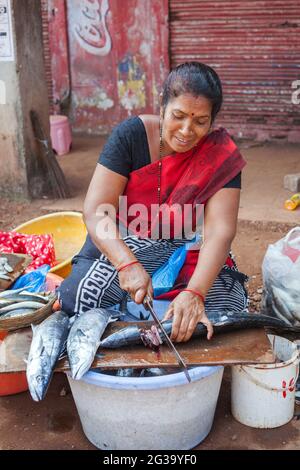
127,150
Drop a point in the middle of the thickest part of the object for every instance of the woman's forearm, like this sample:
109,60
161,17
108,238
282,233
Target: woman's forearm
212,257
107,238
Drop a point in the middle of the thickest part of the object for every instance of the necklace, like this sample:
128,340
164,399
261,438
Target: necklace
160,162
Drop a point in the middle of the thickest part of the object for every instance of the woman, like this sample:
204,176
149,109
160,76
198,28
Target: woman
172,160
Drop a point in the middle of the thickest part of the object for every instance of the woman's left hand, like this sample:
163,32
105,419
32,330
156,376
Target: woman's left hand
187,309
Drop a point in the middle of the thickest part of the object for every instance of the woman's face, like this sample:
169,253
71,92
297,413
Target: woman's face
186,120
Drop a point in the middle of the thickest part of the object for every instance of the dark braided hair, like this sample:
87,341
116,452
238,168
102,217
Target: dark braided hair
196,79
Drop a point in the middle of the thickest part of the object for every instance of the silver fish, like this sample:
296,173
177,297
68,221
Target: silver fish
8,268
4,277
128,372
279,307
158,371
288,305
42,296
222,321
84,338
48,341
27,304
5,303
19,312
10,292
22,297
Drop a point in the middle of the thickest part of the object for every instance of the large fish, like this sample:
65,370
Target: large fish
222,322
48,341
84,338
286,304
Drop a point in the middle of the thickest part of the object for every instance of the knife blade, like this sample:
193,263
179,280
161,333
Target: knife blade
148,305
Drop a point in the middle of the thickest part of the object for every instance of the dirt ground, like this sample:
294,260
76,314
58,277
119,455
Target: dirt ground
249,246
54,423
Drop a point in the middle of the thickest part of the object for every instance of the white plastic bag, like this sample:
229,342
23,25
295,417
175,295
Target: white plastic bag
281,276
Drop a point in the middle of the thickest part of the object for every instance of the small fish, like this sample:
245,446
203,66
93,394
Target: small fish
158,371
28,304
222,322
129,372
288,306
84,338
48,341
5,303
8,268
10,292
19,312
4,277
22,297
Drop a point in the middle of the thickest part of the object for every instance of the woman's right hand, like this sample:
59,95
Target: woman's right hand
136,281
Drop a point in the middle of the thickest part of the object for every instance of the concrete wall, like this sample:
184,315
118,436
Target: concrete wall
22,175
13,177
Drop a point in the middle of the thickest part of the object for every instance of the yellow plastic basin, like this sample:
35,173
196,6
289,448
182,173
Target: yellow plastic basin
68,231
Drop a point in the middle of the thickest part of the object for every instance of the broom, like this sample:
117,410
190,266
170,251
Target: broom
58,183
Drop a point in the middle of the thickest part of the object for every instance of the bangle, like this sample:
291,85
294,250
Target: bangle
126,265
196,293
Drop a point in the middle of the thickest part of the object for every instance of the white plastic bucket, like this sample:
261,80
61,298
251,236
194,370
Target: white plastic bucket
263,395
164,412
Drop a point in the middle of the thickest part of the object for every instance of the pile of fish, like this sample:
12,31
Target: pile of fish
19,302
283,302
54,335
5,268
82,340
149,372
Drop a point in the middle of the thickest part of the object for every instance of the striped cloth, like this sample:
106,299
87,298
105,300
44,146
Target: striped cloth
93,281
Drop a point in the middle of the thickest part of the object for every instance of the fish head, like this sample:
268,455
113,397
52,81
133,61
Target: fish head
81,360
38,374
80,369
38,385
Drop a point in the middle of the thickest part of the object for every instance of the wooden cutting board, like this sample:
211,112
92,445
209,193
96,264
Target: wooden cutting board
238,347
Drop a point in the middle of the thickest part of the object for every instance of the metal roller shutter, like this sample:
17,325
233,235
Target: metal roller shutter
255,48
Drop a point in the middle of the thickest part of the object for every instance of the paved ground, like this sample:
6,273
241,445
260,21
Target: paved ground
54,423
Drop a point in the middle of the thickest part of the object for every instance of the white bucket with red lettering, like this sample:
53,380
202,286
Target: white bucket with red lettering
263,395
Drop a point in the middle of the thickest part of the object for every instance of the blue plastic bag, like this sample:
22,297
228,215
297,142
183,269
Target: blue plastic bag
164,277
34,281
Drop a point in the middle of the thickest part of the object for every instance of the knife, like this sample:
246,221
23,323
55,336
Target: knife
148,305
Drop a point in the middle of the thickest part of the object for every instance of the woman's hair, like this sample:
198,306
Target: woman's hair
196,79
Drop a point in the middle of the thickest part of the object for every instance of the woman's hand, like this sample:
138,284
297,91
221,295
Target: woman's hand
187,309
136,281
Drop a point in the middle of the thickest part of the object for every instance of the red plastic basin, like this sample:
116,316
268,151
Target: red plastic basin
13,382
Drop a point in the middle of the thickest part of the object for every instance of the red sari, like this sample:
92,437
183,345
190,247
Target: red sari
190,178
